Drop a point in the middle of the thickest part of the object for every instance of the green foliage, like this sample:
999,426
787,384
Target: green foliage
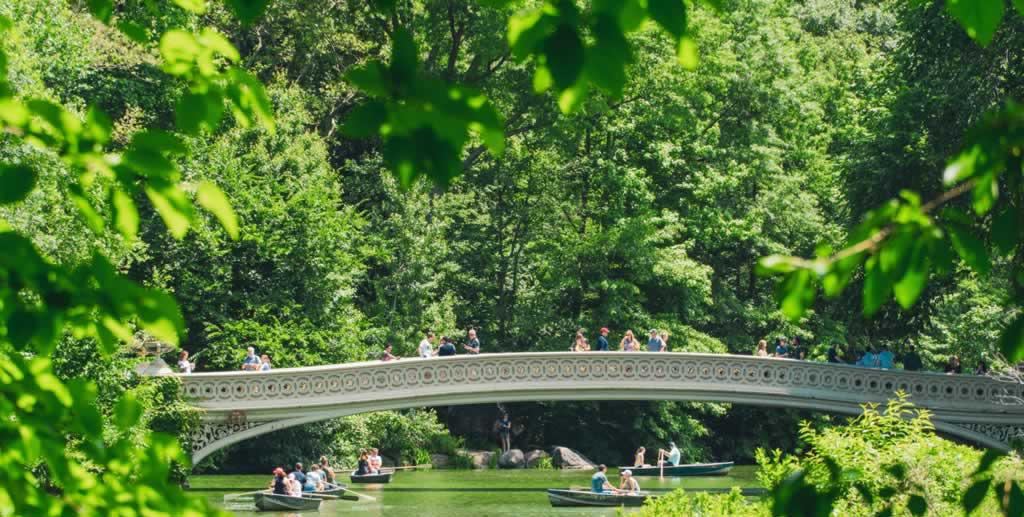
887,461
545,463
680,503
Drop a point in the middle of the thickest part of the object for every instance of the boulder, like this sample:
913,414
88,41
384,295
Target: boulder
512,459
439,461
566,458
533,458
481,459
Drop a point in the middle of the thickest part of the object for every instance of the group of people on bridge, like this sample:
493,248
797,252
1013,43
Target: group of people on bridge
784,348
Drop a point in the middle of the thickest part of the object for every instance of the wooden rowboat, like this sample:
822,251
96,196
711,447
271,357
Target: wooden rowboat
383,477
691,469
559,497
276,502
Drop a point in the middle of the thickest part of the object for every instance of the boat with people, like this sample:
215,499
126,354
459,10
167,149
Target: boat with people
269,502
383,476
689,469
561,497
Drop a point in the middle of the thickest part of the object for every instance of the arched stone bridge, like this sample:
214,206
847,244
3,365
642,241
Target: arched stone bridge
240,405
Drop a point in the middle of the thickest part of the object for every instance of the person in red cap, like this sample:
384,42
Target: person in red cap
602,340
279,483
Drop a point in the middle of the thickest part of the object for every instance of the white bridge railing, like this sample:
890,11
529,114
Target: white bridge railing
244,404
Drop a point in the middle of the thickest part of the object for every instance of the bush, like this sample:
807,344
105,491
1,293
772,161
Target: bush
882,461
545,463
444,443
460,461
679,503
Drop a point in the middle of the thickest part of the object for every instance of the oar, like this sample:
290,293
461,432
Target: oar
231,497
358,495
408,467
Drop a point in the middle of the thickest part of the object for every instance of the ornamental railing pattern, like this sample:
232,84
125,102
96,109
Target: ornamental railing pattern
296,393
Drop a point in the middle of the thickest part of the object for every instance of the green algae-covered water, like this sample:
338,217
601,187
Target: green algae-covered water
461,493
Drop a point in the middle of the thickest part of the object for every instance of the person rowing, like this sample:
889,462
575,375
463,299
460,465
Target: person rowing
670,457
328,472
599,482
628,484
280,482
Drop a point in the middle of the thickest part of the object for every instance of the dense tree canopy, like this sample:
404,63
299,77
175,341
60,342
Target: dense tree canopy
369,171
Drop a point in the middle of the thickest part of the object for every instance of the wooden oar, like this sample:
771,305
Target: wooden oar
234,497
371,498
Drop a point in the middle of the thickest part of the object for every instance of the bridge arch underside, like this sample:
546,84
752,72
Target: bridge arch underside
219,430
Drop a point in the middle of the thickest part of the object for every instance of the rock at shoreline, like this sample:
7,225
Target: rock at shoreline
512,459
566,458
481,459
439,461
533,458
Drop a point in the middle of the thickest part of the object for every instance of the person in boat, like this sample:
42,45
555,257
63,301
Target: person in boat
313,480
670,457
327,470
280,482
375,461
294,487
298,474
638,459
628,484
363,467
599,482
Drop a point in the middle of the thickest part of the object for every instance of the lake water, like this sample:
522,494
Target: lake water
462,493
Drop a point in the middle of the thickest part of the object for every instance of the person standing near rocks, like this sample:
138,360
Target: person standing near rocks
505,432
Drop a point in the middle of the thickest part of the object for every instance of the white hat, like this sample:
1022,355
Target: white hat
627,472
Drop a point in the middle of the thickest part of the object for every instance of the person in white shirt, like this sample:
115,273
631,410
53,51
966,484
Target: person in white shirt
183,363
375,461
427,345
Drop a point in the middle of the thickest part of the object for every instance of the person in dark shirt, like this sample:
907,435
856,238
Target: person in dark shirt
602,340
953,366
299,476
473,345
833,353
911,361
982,368
279,484
446,348
364,463
387,355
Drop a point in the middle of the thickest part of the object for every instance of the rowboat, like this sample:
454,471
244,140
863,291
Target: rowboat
277,502
383,477
559,497
690,469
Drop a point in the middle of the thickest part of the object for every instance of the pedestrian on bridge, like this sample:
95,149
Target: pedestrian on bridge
762,349
629,343
427,346
251,362
473,344
655,344
602,340
387,355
